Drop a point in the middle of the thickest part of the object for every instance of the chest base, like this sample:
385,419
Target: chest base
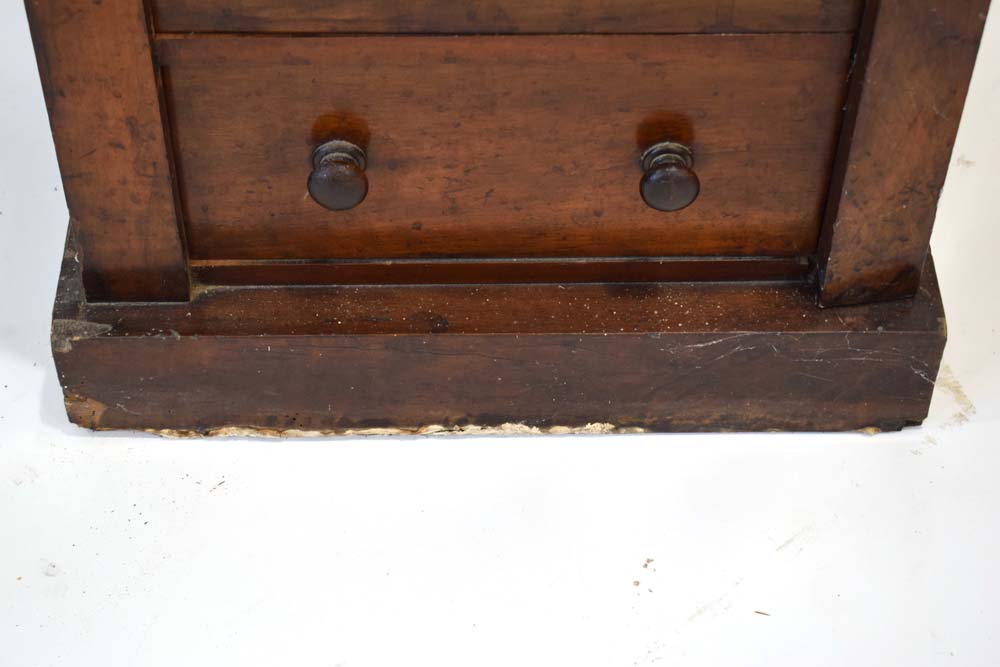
543,358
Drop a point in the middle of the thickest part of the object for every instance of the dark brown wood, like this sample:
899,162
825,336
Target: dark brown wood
594,358
503,271
102,95
912,73
517,270
505,146
507,16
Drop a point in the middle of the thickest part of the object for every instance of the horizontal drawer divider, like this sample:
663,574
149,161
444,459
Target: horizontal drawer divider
167,36
497,270
189,48
506,16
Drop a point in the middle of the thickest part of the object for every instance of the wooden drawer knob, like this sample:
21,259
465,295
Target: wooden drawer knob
669,182
338,181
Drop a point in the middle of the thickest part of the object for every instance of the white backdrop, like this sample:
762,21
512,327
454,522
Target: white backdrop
771,549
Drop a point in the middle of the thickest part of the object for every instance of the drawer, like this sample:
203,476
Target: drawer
514,146
507,16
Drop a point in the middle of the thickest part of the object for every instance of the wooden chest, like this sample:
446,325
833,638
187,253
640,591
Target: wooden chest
292,216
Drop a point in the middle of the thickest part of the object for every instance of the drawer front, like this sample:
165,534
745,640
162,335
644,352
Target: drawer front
504,146
507,16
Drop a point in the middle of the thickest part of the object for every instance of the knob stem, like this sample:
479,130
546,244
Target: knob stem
339,150
667,152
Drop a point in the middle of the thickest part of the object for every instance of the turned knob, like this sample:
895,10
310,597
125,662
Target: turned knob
668,181
338,181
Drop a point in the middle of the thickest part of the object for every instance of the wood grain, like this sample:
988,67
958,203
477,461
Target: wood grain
103,101
912,75
664,357
507,16
505,146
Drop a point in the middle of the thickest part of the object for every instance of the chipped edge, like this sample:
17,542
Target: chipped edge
66,332
509,428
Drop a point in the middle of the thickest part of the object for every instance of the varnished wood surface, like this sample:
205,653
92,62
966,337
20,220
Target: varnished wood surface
507,16
103,101
526,309
657,357
912,76
646,308
404,384
504,146
570,270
